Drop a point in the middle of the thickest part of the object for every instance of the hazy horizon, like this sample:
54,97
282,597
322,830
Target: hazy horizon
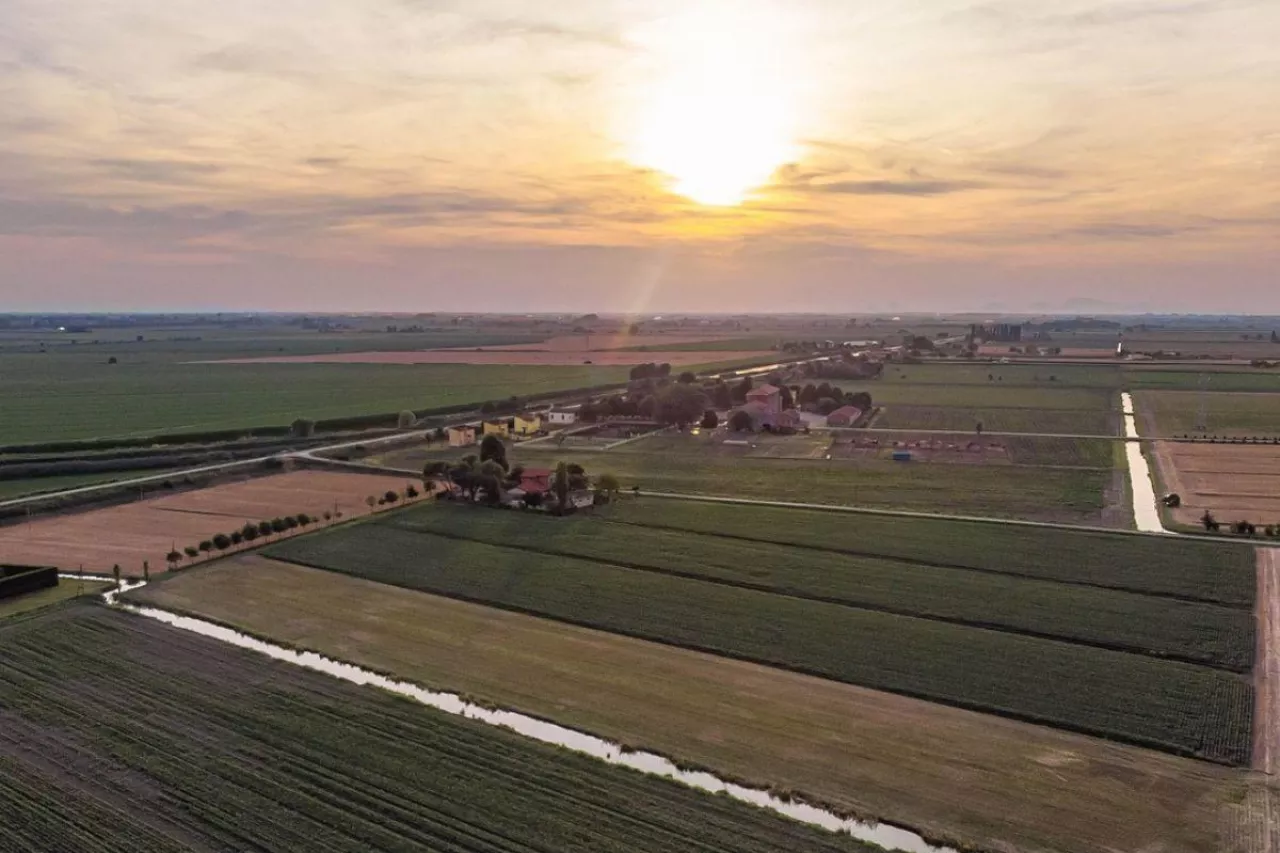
636,157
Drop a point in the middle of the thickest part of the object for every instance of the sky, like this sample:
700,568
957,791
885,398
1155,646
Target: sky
618,155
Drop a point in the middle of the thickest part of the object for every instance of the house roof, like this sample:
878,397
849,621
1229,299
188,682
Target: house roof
764,391
497,423
465,428
535,479
529,416
850,412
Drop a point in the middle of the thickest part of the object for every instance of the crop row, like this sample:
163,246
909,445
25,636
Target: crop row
1129,697
1164,627
169,741
1202,571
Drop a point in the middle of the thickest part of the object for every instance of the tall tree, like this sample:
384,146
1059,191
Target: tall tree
493,449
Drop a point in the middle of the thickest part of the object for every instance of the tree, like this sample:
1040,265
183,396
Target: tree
265,528
788,401
113,360
740,421
191,551
115,572
173,557
680,404
808,394
222,541
237,537
303,428
721,396
492,448
978,427
827,405
560,487
304,519
608,485
860,399
1210,523
406,420
741,390
391,496
577,476
710,420
533,499
411,491
687,378
206,546
278,525
371,501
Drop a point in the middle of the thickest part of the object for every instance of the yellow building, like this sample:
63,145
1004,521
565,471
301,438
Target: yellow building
463,436
528,425
502,429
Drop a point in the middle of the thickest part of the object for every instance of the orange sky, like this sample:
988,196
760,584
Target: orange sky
625,155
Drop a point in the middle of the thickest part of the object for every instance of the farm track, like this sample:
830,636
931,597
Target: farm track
129,736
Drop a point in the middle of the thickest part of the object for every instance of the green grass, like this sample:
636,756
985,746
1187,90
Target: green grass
1104,376
890,392
966,419
124,734
1088,452
1220,379
45,597
997,490
1192,631
1160,703
1200,571
1242,415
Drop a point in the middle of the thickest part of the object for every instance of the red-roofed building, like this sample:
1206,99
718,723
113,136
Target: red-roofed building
769,396
535,480
845,416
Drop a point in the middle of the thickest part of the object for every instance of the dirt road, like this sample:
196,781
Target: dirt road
1266,715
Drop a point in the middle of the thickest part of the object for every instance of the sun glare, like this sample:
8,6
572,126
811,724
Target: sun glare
717,118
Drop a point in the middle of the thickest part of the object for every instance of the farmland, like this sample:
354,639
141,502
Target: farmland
65,589
1231,481
146,530
1162,627
965,419
124,734
1006,785
37,485
1197,571
152,394
1045,494
1174,413
1170,705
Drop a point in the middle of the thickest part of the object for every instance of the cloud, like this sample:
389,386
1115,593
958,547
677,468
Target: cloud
895,187
155,171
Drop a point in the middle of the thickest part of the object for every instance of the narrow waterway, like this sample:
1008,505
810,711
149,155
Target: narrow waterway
1146,509
888,837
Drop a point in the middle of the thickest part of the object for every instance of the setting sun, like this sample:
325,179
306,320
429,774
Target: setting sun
718,118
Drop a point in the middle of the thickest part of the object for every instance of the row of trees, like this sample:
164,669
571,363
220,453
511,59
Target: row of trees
249,533
1240,528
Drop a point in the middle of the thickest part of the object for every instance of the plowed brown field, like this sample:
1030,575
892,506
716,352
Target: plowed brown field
147,530
1232,481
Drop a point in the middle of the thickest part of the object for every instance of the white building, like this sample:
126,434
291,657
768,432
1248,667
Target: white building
561,417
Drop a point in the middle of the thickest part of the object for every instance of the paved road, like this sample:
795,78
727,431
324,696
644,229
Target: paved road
1266,722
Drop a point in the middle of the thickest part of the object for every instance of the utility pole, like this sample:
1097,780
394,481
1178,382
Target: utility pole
1202,405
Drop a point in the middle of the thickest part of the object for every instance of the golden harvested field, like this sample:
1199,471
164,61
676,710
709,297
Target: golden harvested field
998,784
1233,481
128,534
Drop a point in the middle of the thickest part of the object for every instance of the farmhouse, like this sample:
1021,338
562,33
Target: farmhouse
561,417
845,416
502,429
535,480
764,407
527,424
461,436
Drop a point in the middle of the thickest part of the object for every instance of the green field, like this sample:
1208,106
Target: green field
38,485
1034,450
1162,703
965,419
1237,415
1197,571
1162,627
1105,376
997,490
69,396
122,734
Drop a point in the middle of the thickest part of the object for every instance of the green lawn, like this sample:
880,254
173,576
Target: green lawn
123,734
39,485
1161,703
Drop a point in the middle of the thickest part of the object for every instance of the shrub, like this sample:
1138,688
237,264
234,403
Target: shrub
304,519
206,546
411,491
328,516
278,525
303,428
265,528
191,551
222,541
390,497
237,536
290,522
173,556
1244,528
249,532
